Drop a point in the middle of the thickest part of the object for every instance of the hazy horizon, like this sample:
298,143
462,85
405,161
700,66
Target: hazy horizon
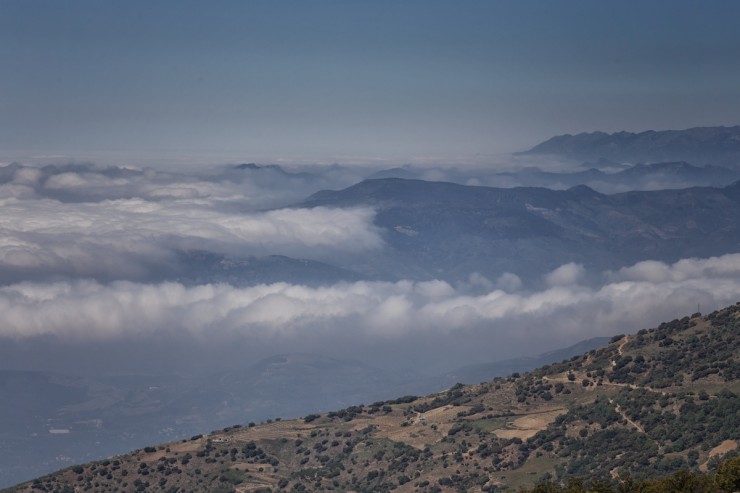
408,82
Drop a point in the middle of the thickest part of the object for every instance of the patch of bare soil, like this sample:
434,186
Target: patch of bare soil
527,426
274,431
721,449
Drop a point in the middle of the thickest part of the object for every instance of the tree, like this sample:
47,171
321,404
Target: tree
728,474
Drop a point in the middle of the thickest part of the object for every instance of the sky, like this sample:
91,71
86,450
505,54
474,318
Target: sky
355,81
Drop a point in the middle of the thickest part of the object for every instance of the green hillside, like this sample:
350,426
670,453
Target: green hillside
647,404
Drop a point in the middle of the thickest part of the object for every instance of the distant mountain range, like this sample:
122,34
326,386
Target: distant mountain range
603,176
442,230
449,231
699,145
639,177
276,169
436,230
642,405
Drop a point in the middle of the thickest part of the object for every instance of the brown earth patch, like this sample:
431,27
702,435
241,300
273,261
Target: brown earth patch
721,449
273,431
527,426
443,414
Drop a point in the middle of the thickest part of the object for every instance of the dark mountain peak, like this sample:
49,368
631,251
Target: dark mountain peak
586,135
383,188
393,173
398,185
247,166
583,191
260,167
268,171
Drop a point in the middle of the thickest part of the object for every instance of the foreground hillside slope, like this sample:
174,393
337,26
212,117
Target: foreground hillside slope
52,420
645,404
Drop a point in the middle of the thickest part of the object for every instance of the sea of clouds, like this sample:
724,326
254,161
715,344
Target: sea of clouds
89,309
81,221
83,249
363,318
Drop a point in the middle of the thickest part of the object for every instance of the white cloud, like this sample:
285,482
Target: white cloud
509,282
107,224
369,309
88,239
79,220
691,268
565,275
258,187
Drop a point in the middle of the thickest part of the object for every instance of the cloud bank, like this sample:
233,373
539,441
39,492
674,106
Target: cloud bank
126,237
84,251
81,221
246,186
647,292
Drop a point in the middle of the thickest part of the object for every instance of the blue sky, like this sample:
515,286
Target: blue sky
353,80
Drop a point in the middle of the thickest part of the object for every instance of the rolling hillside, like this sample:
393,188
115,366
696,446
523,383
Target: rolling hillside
645,404
52,420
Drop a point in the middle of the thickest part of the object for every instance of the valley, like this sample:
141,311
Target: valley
647,404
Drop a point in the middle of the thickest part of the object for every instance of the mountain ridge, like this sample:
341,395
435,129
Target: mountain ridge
528,230
705,145
603,175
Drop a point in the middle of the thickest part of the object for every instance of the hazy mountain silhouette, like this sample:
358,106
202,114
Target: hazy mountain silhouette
702,145
448,231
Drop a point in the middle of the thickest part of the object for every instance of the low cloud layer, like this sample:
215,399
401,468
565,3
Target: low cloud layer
84,250
245,186
122,237
725,266
374,314
81,221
